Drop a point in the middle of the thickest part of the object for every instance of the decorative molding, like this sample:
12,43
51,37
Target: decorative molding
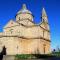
25,19
26,13
25,37
11,26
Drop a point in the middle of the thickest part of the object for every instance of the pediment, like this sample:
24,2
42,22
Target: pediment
10,24
45,26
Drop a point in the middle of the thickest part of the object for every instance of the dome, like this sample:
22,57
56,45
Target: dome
24,14
24,10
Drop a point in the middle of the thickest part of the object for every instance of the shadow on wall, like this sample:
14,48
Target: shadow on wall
3,53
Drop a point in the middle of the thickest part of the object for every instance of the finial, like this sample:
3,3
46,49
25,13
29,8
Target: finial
44,12
24,9
24,6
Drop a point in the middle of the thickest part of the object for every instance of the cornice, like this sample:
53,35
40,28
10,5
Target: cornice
1,36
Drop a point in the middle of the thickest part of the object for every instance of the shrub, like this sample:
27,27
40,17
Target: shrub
24,56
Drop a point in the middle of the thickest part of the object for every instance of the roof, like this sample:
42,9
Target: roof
11,23
44,13
24,10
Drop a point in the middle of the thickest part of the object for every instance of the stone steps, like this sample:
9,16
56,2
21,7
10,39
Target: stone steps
8,57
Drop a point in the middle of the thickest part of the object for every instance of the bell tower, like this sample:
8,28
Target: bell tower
44,20
44,16
46,32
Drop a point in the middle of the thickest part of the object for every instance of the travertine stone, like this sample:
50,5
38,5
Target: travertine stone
25,37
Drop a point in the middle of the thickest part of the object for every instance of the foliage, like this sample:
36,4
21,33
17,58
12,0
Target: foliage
56,53
24,56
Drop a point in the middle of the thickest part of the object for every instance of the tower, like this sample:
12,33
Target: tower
46,31
44,16
44,19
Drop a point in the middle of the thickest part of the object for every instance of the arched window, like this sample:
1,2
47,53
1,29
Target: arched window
44,48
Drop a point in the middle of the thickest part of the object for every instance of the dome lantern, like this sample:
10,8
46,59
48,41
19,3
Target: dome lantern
24,10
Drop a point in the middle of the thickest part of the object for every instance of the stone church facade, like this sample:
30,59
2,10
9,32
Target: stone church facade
23,36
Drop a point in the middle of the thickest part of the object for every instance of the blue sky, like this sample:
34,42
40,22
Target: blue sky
9,8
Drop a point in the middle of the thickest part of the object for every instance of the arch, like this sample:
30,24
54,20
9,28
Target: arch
44,48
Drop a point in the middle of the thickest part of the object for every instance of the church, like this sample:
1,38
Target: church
23,36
